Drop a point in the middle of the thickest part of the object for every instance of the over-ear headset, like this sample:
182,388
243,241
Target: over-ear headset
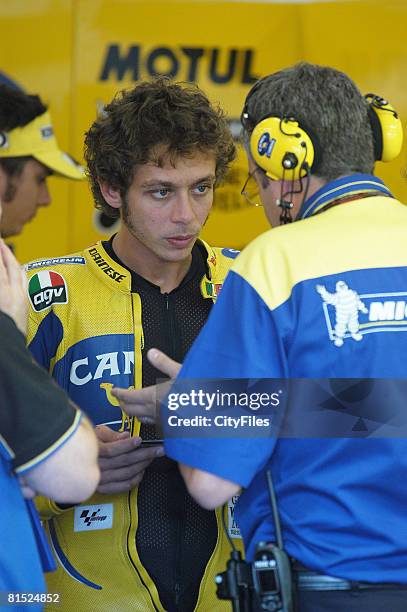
283,148
386,128
286,149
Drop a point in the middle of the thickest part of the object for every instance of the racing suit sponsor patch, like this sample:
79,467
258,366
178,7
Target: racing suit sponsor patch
92,518
46,288
45,263
233,527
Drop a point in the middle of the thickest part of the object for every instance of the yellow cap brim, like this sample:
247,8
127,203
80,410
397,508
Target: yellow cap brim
37,139
61,163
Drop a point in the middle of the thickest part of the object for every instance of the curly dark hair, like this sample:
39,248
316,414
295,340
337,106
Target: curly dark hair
157,112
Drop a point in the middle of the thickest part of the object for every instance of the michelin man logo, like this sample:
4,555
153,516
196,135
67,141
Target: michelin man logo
347,305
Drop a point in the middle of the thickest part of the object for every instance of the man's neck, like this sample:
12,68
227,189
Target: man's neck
167,275
315,183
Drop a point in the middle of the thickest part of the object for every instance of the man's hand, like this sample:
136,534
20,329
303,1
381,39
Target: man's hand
121,460
13,288
144,403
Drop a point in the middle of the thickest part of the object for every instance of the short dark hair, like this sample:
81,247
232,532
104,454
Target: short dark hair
177,115
17,109
329,104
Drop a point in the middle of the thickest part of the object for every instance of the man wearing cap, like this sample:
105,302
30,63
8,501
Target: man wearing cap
29,153
47,446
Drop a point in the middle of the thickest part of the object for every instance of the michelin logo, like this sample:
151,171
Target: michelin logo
350,315
52,262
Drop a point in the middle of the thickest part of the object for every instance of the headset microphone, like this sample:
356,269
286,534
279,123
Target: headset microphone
286,206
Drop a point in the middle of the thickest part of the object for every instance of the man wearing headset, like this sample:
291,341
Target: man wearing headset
318,298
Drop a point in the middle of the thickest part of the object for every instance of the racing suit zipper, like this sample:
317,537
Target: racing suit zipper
177,593
172,342
177,586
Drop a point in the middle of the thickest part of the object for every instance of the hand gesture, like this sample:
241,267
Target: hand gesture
122,462
144,403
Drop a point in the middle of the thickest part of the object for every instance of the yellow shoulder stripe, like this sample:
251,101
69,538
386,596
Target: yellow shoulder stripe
330,243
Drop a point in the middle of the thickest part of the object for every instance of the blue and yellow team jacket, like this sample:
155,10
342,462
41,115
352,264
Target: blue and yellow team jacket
85,328
325,297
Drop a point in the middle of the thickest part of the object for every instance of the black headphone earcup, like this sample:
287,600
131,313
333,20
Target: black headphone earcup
377,133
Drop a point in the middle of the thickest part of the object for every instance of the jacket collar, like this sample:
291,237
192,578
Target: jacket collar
111,272
120,277
341,188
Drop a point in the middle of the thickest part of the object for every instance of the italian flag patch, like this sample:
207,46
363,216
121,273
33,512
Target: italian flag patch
209,289
46,288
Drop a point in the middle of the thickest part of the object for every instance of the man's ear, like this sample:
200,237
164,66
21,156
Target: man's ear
112,196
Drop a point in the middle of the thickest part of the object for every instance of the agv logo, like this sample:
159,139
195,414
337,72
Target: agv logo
46,288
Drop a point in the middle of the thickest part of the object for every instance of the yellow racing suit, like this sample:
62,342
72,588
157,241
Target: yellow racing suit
85,327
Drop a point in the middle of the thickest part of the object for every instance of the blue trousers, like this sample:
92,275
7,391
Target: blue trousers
388,600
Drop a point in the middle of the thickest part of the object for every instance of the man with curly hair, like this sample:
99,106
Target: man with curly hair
154,157
302,302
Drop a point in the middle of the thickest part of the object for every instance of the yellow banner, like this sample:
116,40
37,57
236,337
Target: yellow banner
77,55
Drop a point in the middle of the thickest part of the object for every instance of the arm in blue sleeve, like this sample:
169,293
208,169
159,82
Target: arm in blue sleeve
240,340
